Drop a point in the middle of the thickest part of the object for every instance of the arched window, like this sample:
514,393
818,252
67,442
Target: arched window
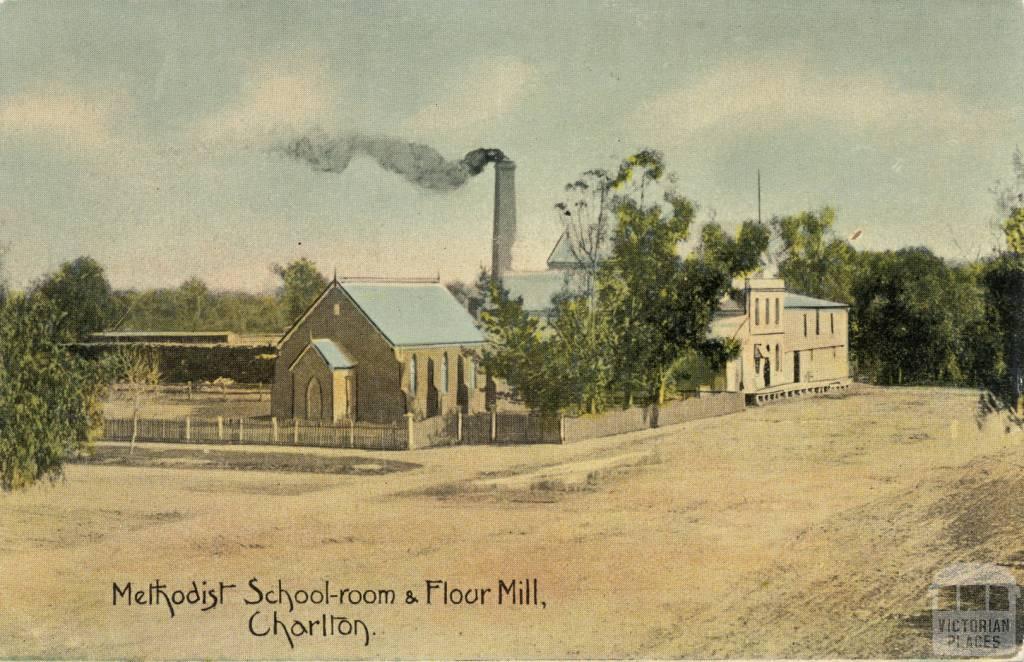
757,311
444,373
768,311
778,358
817,322
832,322
805,325
778,318
412,374
471,367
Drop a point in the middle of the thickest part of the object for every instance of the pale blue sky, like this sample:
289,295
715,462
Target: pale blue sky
132,132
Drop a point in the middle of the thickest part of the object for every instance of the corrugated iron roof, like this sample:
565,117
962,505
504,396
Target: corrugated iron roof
335,357
410,314
536,288
793,300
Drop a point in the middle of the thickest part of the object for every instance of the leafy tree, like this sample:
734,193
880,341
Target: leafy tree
517,352
80,291
301,284
633,309
917,318
50,399
660,305
811,258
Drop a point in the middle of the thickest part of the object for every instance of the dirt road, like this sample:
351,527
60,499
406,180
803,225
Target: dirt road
807,528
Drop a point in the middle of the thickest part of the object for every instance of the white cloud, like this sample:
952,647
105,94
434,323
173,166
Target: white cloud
764,95
59,114
280,96
488,90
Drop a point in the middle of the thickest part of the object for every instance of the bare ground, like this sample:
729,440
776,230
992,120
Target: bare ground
810,528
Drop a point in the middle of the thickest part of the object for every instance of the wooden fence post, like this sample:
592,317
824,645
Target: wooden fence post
295,438
459,427
240,430
494,424
412,438
273,428
220,428
135,426
561,429
188,428
351,433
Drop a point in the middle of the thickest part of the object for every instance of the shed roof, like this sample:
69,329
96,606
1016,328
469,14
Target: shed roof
410,314
335,357
793,300
536,288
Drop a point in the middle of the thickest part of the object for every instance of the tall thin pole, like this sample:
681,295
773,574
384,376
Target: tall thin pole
758,195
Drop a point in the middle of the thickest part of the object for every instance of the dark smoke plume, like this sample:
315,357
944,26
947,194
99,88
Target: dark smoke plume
420,164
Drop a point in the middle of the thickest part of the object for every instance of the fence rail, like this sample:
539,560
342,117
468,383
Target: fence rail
195,390
450,430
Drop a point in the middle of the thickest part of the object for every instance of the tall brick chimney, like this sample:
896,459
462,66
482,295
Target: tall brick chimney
504,217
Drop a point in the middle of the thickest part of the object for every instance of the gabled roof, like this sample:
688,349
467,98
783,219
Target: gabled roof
407,313
793,300
562,254
335,357
410,314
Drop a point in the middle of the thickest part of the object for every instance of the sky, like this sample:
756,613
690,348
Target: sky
136,133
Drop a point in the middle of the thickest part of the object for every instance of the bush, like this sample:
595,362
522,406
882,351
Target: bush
49,398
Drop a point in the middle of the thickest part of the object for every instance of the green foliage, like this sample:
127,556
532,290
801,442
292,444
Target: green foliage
1013,229
1003,278
301,284
516,352
918,319
812,259
80,291
194,307
634,310
49,398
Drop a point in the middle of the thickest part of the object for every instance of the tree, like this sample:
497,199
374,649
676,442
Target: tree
916,317
635,309
140,372
811,258
80,291
301,284
50,399
661,306
516,351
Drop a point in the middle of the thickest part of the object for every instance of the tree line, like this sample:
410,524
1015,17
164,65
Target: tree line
79,289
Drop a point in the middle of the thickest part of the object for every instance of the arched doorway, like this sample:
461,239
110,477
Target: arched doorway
314,400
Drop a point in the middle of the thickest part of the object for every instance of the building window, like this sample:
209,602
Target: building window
412,375
817,322
444,373
768,311
757,311
832,322
805,325
778,317
471,366
778,358
337,310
